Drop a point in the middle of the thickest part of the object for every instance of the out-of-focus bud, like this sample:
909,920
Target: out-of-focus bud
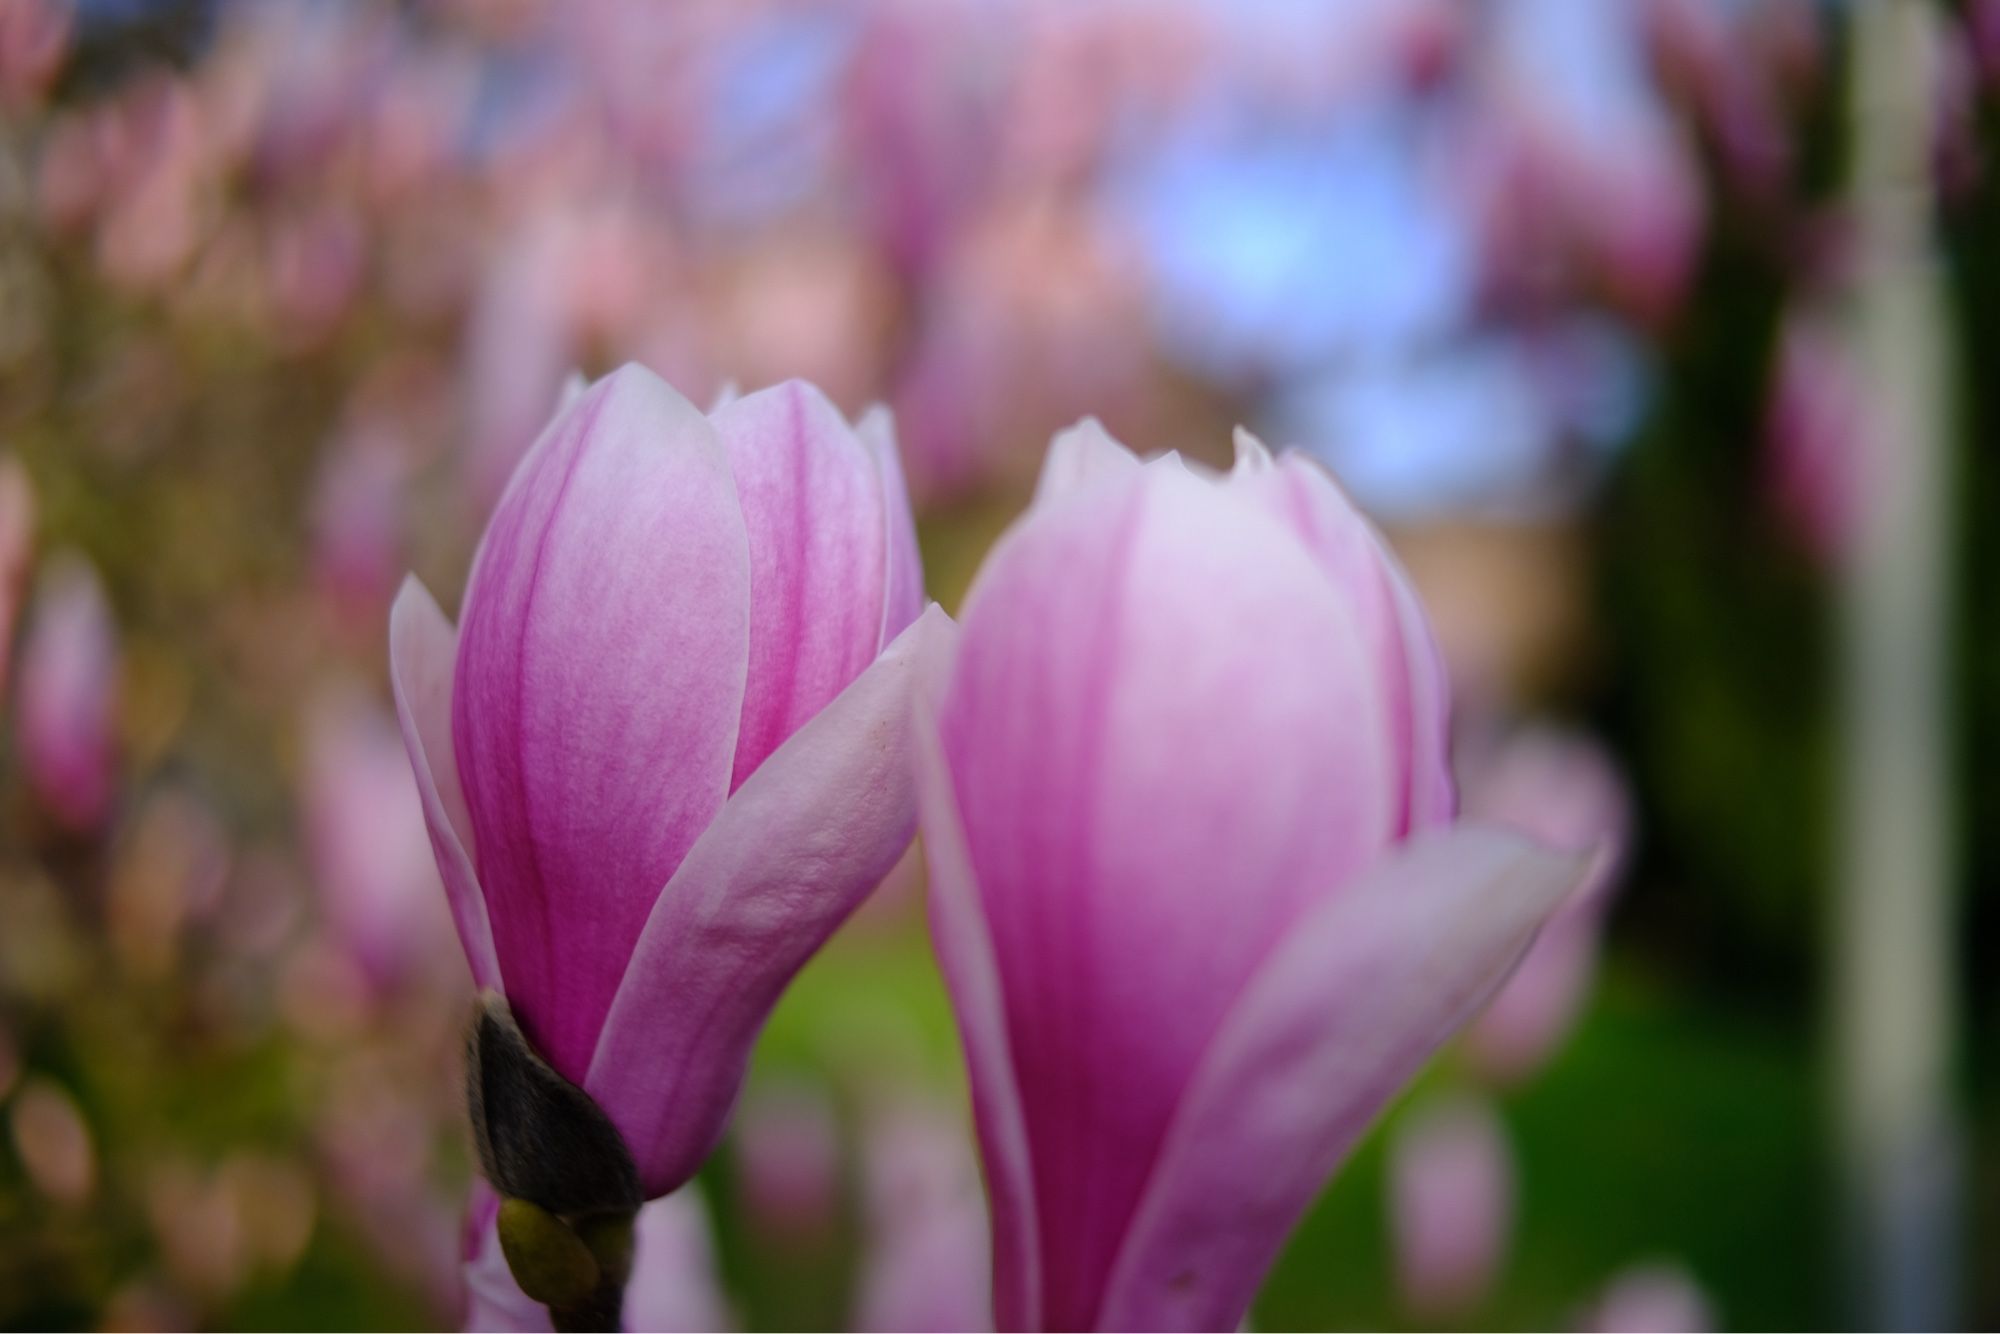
1811,434
68,695
53,1142
926,1265
788,1161
357,523
34,38
364,828
17,552
1451,1204
1656,1298
1564,790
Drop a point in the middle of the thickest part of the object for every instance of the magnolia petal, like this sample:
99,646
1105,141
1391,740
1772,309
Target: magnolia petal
964,950
422,648
1357,559
1433,797
903,596
1252,454
792,853
1338,1019
599,682
813,506
1083,454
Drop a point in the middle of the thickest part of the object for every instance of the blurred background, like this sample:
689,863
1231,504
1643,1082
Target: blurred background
1649,330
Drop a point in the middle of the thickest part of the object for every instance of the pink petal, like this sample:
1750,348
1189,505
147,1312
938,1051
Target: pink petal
964,950
599,681
814,507
904,595
1359,561
1337,1020
791,854
1079,456
1162,742
422,649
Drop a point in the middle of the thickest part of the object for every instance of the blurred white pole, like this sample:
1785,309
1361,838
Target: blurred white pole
1894,983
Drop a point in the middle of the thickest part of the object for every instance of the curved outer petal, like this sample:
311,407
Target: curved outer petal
1162,739
791,854
674,1285
1355,556
814,509
903,594
965,956
422,647
599,680
1336,1021
1079,456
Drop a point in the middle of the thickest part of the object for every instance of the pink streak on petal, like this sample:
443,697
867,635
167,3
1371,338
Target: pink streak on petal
814,508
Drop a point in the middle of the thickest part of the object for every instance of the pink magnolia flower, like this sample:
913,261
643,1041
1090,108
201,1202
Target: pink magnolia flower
674,1283
1196,888
664,754
69,695
1451,1204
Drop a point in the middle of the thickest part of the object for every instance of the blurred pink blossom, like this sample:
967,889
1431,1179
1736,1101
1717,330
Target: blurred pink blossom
788,1160
926,1263
1451,1204
34,38
68,694
1812,431
357,522
1657,1298
1564,790
53,1142
17,553
364,831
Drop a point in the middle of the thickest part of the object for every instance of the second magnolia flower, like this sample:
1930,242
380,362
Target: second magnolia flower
1197,887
